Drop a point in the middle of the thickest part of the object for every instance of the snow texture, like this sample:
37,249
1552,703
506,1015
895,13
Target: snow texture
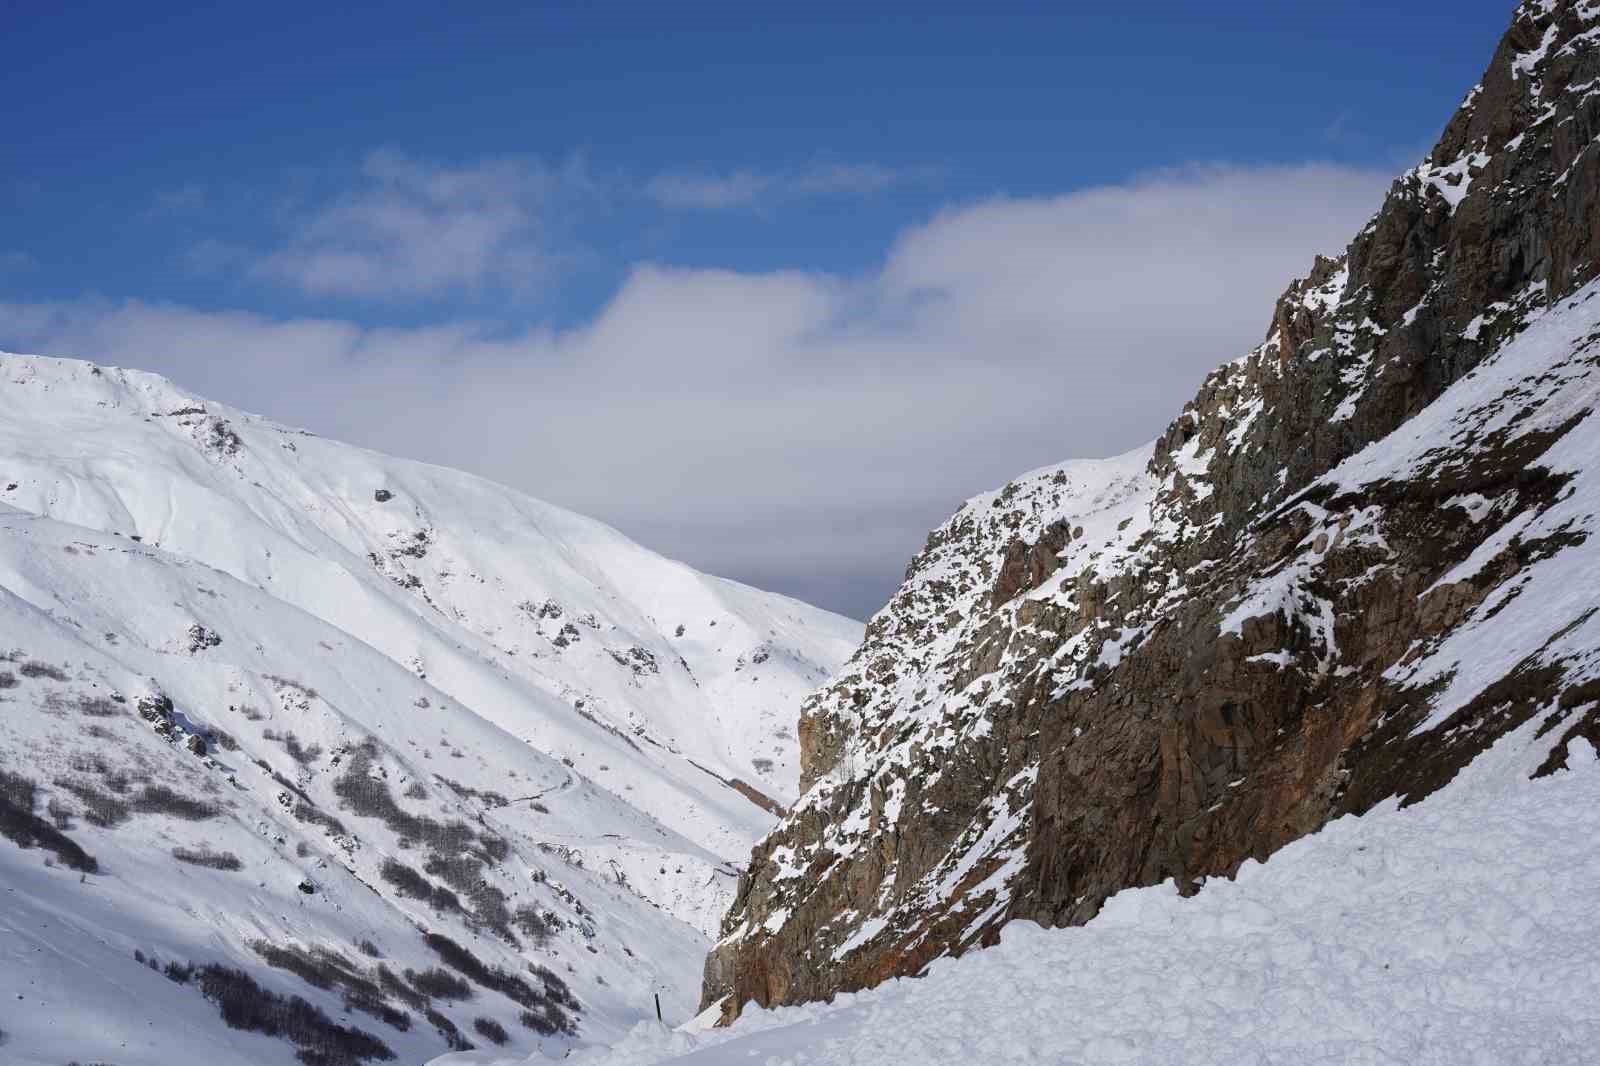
1456,931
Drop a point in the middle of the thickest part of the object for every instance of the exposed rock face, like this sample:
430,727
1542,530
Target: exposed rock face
1356,558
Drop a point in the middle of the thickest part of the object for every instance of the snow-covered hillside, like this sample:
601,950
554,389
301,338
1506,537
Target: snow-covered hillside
554,626
1459,930
265,692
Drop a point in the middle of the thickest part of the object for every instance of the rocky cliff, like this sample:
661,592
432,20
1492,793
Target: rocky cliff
1357,557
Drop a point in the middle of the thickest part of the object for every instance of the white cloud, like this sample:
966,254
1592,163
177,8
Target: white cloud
411,227
799,430
745,189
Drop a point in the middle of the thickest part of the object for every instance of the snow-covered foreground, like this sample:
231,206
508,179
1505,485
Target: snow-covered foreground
1459,930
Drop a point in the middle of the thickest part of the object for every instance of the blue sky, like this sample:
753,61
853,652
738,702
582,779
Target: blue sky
515,197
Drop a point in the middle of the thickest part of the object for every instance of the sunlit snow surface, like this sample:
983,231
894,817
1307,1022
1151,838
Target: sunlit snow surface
1459,930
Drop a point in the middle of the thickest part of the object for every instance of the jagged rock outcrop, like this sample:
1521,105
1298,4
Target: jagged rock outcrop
1358,556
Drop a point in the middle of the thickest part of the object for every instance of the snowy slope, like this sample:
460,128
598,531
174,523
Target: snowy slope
554,626
454,711
1459,930
97,626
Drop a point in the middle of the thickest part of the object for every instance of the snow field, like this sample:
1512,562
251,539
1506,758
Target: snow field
1460,930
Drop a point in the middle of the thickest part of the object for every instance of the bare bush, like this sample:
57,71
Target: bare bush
107,811
284,682
458,871
534,923
25,829
18,790
494,849
368,796
392,985
214,860
413,885
99,808
246,1005
100,707
438,984
38,668
491,1030
447,1029
465,873
548,1020
325,968
463,961
158,799
488,797
309,812
554,987
304,755
55,704
88,762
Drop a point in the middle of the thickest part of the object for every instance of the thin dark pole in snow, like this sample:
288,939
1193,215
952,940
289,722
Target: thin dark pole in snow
658,1007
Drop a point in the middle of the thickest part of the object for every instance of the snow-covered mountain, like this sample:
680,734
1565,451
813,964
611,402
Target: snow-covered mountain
1272,740
1362,555
276,703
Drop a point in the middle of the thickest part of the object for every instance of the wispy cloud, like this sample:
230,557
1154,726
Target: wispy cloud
704,192
399,227
14,261
412,227
746,189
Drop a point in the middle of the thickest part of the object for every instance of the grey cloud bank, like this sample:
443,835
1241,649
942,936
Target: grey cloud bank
799,431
